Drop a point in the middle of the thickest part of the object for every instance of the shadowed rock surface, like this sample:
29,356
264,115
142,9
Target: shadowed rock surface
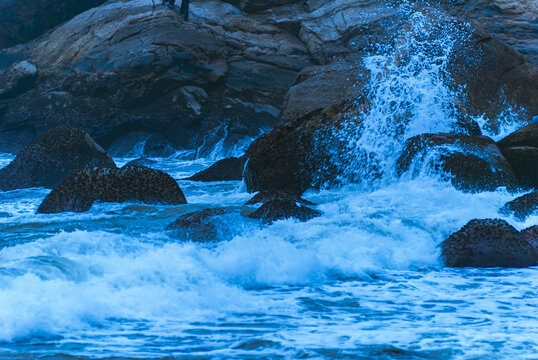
19,78
52,157
223,170
521,150
266,196
471,163
488,243
531,236
522,206
78,192
283,209
215,224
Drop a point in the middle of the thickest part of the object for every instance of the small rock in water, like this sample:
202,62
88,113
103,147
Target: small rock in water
142,161
52,157
283,209
223,170
488,243
78,192
522,206
266,196
216,224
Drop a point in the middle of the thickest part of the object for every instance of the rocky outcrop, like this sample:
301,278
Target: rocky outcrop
521,150
470,163
126,70
19,78
223,170
24,20
522,206
279,209
488,243
52,157
215,224
266,196
79,191
530,235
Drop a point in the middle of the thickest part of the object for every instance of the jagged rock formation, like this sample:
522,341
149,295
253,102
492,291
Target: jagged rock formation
79,191
52,157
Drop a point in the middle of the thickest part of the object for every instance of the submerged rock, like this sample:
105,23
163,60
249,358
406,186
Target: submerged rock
266,196
223,170
471,163
78,192
279,209
488,243
52,157
521,150
215,224
522,206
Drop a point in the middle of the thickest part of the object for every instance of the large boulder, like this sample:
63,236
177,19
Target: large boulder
471,163
488,243
78,192
24,20
19,78
522,206
215,224
283,209
223,170
521,150
52,157
222,75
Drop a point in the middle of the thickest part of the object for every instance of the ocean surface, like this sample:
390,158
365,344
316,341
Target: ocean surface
364,281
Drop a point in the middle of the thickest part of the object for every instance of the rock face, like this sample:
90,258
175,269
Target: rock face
18,79
470,163
78,192
52,157
531,236
24,20
266,196
523,206
283,209
223,170
488,243
521,150
216,224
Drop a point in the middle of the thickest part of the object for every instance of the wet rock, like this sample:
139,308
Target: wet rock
522,206
488,243
521,150
266,196
215,224
24,20
279,209
79,191
531,236
223,170
18,79
471,163
52,157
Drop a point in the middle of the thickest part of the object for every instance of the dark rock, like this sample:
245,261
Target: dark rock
521,150
24,20
283,209
78,192
214,224
470,163
488,243
522,206
142,162
252,6
18,79
223,170
52,157
266,196
531,236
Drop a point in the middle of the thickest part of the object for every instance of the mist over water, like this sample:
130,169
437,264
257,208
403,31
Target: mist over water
364,280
